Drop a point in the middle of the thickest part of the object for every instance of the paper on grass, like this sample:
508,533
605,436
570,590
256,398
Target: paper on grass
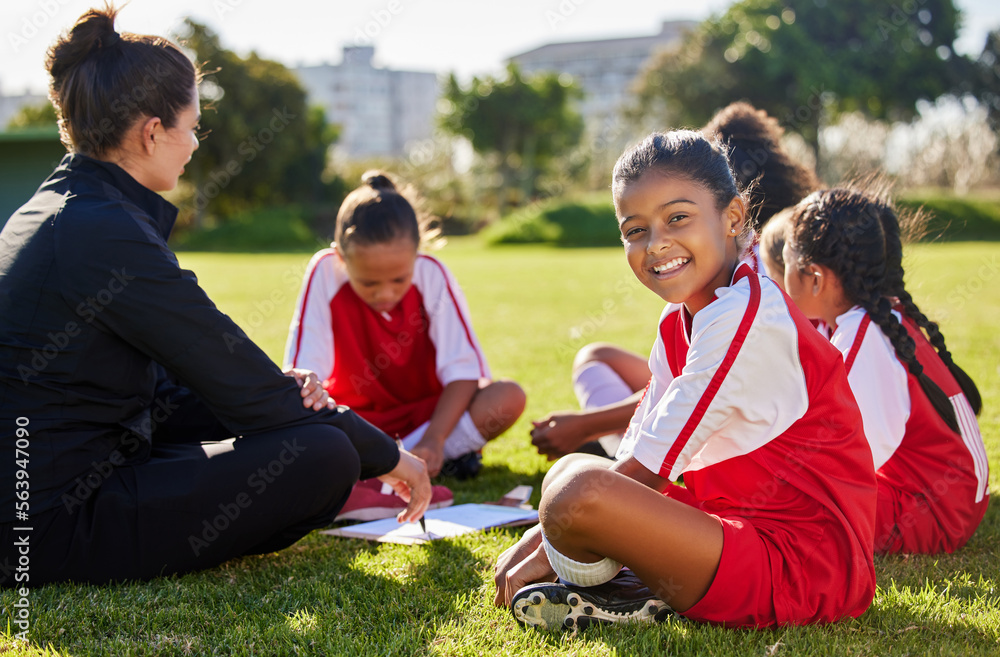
441,523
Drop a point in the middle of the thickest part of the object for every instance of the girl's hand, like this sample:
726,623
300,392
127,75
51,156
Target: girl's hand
314,396
559,434
522,564
432,453
410,481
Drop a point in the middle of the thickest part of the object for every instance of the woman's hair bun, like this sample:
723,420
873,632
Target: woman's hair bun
95,29
377,180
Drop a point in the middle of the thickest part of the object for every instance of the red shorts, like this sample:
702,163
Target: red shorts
777,574
741,593
908,522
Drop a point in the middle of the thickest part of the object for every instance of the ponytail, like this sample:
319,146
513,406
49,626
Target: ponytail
378,212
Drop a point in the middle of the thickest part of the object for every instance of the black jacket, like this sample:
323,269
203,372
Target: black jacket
92,304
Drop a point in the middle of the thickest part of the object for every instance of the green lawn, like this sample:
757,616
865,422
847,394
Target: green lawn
532,307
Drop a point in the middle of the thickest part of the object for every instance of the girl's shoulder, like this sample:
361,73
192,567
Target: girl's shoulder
327,265
751,298
428,270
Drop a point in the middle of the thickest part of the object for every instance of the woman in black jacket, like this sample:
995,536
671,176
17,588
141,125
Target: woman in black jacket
143,433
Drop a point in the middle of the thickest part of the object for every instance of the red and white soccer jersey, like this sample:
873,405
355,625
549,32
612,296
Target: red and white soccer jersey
933,483
389,367
751,405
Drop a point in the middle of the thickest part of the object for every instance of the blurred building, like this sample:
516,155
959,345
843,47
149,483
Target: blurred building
380,111
605,69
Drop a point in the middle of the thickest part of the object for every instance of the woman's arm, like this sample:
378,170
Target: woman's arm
158,309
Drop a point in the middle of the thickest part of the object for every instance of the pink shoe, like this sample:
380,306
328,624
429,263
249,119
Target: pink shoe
372,500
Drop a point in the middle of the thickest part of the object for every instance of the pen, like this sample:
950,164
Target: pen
423,525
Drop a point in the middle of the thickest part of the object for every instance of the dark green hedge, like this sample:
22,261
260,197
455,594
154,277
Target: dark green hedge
591,221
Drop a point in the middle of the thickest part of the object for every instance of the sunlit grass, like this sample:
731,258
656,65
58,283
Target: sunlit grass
532,307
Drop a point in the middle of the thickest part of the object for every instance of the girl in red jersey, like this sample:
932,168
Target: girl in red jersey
844,259
608,380
388,330
774,524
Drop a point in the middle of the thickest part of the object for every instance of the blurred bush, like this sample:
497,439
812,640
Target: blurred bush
971,217
288,228
590,220
584,221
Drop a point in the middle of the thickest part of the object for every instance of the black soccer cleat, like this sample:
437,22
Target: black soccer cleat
464,467
553,605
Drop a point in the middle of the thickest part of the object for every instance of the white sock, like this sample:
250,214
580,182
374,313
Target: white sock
580,573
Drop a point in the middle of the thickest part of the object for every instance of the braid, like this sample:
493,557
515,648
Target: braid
906,351
914,223
969,388
849,233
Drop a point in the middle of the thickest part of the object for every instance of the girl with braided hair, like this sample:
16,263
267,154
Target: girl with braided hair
843,257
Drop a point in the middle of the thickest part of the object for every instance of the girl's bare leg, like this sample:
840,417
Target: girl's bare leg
631,367
496,407
589,512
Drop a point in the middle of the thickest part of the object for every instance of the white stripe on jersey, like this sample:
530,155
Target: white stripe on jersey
973,442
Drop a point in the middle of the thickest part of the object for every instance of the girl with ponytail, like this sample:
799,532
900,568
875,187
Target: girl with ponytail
387,329
843,257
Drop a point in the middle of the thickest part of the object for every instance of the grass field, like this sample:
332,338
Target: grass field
532,307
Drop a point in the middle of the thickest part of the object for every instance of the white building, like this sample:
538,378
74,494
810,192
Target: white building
604,69
380,111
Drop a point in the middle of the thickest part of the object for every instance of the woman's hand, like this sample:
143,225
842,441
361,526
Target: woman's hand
522,564
314,396
559,434
410,481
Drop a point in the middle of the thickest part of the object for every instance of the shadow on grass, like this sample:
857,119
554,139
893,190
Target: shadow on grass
320,596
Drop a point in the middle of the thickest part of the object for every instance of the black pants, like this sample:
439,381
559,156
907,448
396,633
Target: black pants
192,505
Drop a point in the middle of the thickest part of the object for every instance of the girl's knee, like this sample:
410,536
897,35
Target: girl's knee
497,407
600,352
572,501
512,397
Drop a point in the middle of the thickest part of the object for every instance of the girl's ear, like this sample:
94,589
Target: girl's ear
735,215
825,282
818,279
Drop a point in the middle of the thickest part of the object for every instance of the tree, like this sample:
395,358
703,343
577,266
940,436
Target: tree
524,122
802,60
42,115
264,145
988,82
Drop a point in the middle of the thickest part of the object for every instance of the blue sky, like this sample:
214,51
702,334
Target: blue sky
465,36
